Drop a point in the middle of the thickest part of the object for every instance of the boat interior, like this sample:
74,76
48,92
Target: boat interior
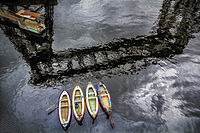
64,108
104,96
78,102
92,99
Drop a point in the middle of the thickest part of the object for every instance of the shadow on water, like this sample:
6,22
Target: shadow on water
177,21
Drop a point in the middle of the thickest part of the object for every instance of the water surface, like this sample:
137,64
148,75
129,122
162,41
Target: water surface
159,97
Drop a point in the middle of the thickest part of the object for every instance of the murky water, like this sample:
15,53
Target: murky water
162,96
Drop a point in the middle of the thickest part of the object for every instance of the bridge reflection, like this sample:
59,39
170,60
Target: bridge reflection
177,21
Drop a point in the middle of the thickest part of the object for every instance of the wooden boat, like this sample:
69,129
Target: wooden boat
30,23
92,100
104,97
32,26
78,103
64,109
28,14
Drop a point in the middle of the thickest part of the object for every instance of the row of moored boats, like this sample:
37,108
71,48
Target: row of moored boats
77,104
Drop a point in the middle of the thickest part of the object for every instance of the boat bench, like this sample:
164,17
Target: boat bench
64,106
64,100
103,91
91,93
92,97
104,95
79,96
78,101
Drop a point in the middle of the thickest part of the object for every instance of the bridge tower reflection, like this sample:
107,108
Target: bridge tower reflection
176,23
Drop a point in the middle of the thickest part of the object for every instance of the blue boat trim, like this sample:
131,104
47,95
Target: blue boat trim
32,30
100,83
65,124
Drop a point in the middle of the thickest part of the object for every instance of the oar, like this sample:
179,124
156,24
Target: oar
111,121
93,121
66,131
54,104
52,111
91,128
51,106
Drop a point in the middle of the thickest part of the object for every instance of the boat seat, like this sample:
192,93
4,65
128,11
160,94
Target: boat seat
77,95
103,91
92,97
64,106
64,100
104,95
91,93
78,101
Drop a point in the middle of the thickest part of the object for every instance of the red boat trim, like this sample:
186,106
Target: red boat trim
58,111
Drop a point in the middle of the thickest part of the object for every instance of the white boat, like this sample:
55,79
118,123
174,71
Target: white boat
92,100
64,109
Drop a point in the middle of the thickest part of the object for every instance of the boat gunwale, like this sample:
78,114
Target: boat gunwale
83,104
101,102
87,100
65,127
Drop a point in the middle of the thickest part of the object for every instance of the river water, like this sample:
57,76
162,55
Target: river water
160,97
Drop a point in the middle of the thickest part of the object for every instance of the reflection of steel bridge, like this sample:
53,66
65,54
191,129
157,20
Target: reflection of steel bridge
36,26
28,2
122,56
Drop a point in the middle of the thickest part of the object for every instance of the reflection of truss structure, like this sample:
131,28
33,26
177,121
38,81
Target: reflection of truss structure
172,33
26,3
31,18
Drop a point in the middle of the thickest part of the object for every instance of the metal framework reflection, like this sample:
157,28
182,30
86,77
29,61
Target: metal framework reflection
177,21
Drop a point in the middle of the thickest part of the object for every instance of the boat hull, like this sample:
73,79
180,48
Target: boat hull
104,97
64,109
92,102
28,14
78,103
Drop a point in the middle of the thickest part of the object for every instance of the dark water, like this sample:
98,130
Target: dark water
154,79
